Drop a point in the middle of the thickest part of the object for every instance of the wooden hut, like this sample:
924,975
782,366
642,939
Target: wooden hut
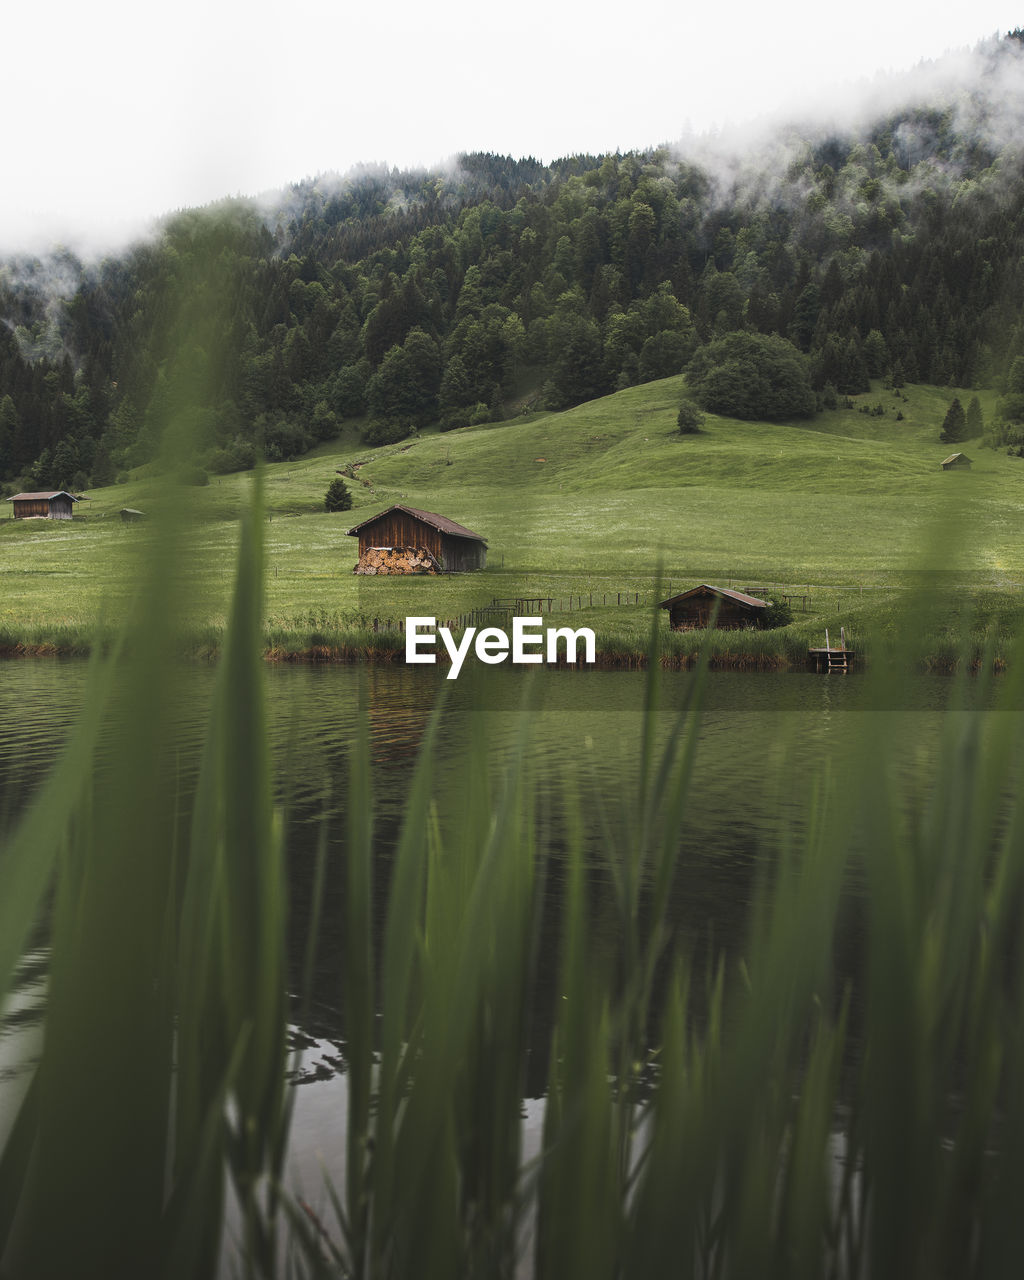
455,548
694,608
957,462
53,504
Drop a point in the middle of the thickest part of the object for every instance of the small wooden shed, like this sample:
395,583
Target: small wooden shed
694,608
455,548
53,504
957,462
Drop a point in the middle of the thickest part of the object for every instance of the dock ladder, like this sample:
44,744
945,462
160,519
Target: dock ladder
828,659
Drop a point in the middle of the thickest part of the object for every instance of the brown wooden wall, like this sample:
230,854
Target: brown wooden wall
462,555
697,611
399,529
53,508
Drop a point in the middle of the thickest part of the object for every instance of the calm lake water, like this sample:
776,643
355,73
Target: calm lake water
760,737
758,732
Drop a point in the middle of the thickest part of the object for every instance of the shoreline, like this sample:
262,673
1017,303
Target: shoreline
606,659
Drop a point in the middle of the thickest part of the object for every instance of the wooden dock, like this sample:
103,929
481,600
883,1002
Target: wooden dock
828,659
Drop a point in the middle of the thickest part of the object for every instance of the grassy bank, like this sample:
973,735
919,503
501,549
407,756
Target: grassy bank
591,502
941,629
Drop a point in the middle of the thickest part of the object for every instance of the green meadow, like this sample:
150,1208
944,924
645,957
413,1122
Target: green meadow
601,503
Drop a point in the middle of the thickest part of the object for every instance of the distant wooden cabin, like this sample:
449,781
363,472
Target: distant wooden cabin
456,548
54,504
694,609
957,462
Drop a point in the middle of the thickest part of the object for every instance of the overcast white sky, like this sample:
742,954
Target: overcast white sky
115,113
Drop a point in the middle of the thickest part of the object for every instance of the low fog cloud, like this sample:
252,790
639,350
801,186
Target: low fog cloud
982,89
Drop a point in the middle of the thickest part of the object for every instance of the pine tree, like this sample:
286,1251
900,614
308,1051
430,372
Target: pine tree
876,354
337,497
954,425
8,429
102,472
65,461
975,421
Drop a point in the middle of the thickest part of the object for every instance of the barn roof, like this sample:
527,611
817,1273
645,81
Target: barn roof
39,497
441,523
725,592
953,457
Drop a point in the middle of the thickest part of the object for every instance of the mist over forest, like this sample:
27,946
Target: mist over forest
882,242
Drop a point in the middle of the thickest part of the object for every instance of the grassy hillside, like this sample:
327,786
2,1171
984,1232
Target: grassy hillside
586,503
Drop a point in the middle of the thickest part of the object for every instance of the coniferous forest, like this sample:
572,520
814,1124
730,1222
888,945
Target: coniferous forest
892,249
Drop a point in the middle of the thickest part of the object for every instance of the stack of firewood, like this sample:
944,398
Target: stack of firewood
397,560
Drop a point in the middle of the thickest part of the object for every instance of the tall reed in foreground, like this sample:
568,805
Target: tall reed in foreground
164,1054
706,1116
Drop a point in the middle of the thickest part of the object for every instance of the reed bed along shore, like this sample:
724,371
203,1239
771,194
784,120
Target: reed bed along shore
937,641
752,651
761,1113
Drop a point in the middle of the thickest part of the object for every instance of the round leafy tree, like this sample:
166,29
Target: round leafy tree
690,419
755,376
337,497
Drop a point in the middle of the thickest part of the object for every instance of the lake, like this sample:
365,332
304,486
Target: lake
760,737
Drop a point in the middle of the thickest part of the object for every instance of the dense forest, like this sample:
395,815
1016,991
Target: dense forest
892,250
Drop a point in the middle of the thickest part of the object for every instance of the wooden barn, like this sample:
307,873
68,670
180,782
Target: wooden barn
51,505
694,608
957,462
455,548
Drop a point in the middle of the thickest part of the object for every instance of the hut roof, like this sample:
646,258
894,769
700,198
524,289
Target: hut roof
43,496
953,457
441,523
724,592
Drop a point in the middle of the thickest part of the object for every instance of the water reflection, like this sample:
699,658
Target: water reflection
760,736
